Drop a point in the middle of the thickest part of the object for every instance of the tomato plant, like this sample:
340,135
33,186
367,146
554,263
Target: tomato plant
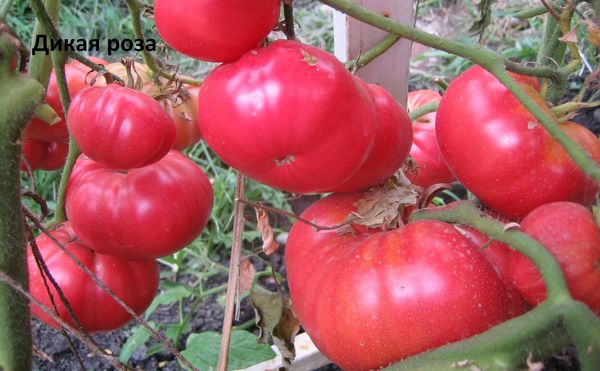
133,281
144,213
202,29
391,145
254,116
570,233
431,168
38,155
371,298
496,148
120,127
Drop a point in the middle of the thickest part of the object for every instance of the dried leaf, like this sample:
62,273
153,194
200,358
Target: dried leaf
266,232
285,332
380,207
508,226
276,320
593,31
247,272
269,307
570,37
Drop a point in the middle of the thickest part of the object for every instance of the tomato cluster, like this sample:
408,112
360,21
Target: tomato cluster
131,198
293,117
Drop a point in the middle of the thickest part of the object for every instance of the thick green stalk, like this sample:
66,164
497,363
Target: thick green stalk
374,52
58,60
20,96
505,346
488,59
552,52
421,111
40,65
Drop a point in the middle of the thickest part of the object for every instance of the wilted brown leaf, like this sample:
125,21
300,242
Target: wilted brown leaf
593,31
276,320
571,36
285,332
247,272
269,307
381,206
266,232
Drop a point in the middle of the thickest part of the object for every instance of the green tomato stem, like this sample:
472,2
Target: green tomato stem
40,65
530,13
486,58
370,55
20,97
421,111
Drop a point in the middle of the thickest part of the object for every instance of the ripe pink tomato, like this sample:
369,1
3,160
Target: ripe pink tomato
391,147
144,213
290,116
569,232
498,254
75,73
43,155
120,127
215,31
431,168
370,298
133,281
496,148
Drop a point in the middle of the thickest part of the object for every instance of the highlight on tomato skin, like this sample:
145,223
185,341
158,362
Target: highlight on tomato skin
370,299
203,30
499,152
133,281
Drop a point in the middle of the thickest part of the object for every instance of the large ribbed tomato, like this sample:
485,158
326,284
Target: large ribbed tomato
431,168
133,281
391,146
290,116
120,127
216,31
148,212
496,148
370,298
569,232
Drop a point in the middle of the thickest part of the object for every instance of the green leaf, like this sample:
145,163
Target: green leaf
203,350
138,337
168,296
485,17
172,331
269,308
